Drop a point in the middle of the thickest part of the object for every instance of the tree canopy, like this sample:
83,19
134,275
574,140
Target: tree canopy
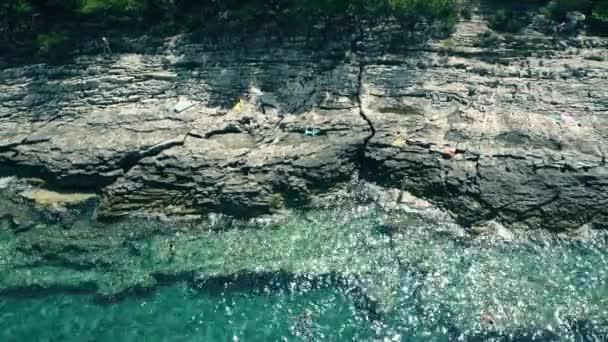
50,23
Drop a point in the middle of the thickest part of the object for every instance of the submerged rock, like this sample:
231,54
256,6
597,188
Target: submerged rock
17,217
421,273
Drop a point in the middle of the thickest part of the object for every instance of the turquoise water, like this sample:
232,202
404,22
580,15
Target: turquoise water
181,313
243,310
340,275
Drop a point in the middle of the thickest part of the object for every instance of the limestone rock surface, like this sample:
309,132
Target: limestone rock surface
513,129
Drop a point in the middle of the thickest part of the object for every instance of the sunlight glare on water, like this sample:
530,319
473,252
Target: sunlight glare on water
338,275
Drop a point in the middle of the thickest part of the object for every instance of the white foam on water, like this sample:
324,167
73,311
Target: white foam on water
5,182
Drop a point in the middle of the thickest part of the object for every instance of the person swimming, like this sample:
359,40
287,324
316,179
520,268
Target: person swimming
171,250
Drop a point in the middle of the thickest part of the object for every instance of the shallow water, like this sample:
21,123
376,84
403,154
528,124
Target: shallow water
333,275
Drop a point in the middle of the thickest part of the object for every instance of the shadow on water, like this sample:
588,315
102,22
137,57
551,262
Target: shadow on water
247,283
272,284
418,259
32,292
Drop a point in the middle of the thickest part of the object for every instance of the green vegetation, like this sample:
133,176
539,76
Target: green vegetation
560,8
173,11
54,23
505,20
599,17
49,42
49,27
595,12
467,7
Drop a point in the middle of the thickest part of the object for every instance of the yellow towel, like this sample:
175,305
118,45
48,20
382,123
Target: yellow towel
238,107
399,141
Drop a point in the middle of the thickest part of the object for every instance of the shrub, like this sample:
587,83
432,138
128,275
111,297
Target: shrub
151,11
444,13
13,15
111,6
50,42
598,21
505,20
596,12
57,19
436,9
560,8
466,9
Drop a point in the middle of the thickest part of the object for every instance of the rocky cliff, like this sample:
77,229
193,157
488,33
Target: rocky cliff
491,127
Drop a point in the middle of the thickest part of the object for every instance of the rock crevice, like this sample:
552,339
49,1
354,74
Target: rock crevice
486,131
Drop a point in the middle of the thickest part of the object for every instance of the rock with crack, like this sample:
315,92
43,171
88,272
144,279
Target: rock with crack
90,151
242,173
512,162
505,139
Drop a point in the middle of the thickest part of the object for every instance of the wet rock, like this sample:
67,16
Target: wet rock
19,219
396,200
493,229
583,232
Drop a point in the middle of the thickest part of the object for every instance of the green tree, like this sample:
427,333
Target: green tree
14,16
